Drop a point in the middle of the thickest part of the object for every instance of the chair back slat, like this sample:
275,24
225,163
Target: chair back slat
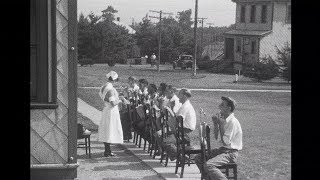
179,134
80,131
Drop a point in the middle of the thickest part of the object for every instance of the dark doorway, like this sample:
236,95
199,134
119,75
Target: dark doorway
229,48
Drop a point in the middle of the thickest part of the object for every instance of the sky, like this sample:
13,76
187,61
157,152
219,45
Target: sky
218,12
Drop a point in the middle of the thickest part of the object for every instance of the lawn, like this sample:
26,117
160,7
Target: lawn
265,118
95,76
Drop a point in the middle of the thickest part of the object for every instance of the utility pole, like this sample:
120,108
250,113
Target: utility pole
195,39
201,42
159,41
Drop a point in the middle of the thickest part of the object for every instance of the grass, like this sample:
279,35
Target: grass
95,76
87,123
265,119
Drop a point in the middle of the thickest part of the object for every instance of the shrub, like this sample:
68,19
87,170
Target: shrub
137,61
284,57
266,69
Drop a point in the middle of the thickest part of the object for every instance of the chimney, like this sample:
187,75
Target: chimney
118,19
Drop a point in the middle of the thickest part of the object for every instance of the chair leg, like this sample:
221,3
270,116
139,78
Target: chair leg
162,155
149,146
177,163
152,145
167,159
140,141
134,136
89,147
144,145
155,150
151,149
86,145
227,172
183,160
137,138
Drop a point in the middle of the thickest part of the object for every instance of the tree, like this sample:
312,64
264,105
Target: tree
83,37
185,22
102,40
108,14
146,37
284,59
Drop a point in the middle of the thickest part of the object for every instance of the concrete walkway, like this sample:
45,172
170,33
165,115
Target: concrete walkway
130,162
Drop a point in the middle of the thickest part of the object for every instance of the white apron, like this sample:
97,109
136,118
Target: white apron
110,129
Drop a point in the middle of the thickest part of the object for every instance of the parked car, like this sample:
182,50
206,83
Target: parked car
184,61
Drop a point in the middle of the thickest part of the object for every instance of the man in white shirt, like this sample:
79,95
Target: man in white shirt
189,122
230,141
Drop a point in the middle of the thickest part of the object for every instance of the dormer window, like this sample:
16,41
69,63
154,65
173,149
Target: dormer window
253,14
264,14
243,14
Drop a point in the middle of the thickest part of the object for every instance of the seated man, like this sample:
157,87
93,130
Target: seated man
172,105
189,122
231,141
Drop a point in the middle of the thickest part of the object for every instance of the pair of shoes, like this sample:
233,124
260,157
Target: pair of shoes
109,154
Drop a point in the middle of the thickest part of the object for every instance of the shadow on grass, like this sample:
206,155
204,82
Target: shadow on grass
263,83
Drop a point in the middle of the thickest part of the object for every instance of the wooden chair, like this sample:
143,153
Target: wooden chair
146,135
204,144
153,144
182,149
205,147
86,136
226,169
164,135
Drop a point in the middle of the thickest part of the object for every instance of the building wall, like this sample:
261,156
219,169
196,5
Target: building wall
257,26
49,127
281,32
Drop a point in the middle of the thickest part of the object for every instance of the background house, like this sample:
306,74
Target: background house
53,87
260,26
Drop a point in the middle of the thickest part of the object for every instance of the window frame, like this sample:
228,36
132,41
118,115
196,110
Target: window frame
253,14
243,13
46,88
264,13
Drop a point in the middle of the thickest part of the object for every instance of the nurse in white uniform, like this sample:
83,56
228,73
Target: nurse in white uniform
110,129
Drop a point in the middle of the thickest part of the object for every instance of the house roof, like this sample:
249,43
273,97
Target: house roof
131,31
247,32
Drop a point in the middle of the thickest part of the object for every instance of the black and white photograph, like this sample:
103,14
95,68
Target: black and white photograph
160,89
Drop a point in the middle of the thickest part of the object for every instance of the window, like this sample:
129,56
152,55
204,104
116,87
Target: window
253,47
42,52
253,14
289,13
238,50
243,14
264,14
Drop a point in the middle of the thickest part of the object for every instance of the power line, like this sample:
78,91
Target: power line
159,41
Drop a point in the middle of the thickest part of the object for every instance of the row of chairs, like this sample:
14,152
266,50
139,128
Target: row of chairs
184,150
